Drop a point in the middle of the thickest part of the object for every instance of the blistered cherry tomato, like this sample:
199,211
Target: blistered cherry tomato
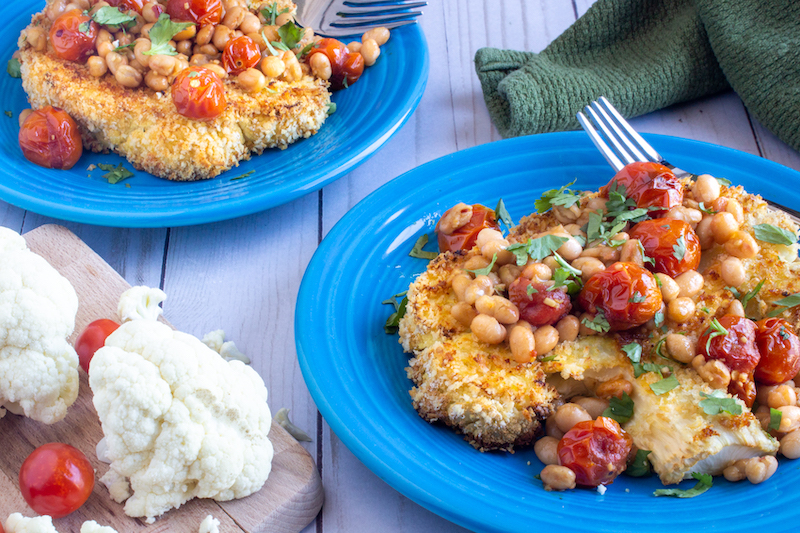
56,479
780,351
532,308
672,244
240,54
627,294
346,67
130,5
464,237
73,36
737,349
596,450
201,12
649,184
198,93
92,339
49,137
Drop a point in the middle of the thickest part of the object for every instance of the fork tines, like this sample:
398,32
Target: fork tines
372,13
626,145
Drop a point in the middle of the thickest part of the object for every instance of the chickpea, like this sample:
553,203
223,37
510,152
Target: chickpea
114,61
546,450
570,414
204,35
463,313
104,48
142,45
234,18
742,245
162,64
522,343
790,445
498,307
723,226
250,24
781,395
735,308
571,249
184,47
379,35
198,59
151,11
497,249
732,271
476,262
293,70
156,81
713,372
251,80
546,339
706,189
735,208
36,38
551,263
589,266
557,477
273,66
283,18
146,30
537,271
127,76
687,214
568,215
606,254
487,235
759,469
790,418
568,328
487,329
630,252
614,388
704,233
584,330
508,273
551,429
460,282
690,283
354,47
681,309
669,289
594,406
218,70
222,34
97,66
480,286
370,52
680,347
53,10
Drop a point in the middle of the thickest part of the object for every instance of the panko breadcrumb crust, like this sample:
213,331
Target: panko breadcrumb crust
143,125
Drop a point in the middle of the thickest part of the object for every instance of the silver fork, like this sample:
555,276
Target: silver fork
627,146
339,18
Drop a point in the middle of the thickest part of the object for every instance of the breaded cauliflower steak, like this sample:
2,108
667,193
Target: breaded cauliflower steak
469,385
144,126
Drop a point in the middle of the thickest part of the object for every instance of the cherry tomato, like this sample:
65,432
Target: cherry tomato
346,67
49,137
672,244
92,339
532,308
130,5
73,36
56,479
627,294
596,450
650,185
198,93
737,349
464,237
201,12
240,54
780,351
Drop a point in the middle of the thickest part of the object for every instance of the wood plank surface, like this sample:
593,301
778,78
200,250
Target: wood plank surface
290,499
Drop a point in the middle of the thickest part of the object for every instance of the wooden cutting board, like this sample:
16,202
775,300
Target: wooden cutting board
290,499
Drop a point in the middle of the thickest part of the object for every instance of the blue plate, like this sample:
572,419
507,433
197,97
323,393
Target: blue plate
356,373
367,115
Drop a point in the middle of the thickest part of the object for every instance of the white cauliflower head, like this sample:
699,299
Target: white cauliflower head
38,367
16,523
140,303
180,422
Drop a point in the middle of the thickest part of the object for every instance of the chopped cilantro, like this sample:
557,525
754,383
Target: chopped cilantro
9,113
549,358
271,13
704,482
643,368
706,210
242,176
305,50
659,346
640,466
84,27
716,329
774,234
161,33
724,181
734,291
331,108
112,16
749,296
12,67
775,417
659,318
417,250
123,47
718,402
633,351
503,215
536,249
620,409
115,174
679,248
485,271
792,300
637,298
566,278
646,259
665,385
393,322
291,34
565,197
530,290
598,323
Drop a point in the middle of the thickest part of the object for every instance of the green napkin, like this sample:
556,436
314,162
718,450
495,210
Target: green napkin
644,55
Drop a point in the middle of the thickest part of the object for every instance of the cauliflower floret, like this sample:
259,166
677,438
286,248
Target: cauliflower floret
90,526
16,523
180,422
38,367
140,303
209,525
227,349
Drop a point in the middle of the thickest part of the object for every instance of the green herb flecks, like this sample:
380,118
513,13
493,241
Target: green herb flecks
12,67
123,47
774,234
417,250
620,409
724,181
704,482
679,248
331,108
775,417
790,301
718,402
115,174
633,351
536,249
305,50
271,13
715,330
291,34
113,17
637,298
485,271
706,210
9,114
665,385
242,176
502,214
162,33
598,323
640,466
565,197
646,259
393,322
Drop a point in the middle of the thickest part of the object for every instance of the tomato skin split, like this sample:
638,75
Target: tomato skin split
56,479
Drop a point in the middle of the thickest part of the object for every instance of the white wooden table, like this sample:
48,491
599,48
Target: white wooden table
243,275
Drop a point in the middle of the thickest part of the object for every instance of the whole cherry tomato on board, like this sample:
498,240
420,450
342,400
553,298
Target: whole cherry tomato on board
130,5
73,36
649,184
672,244
240,54
92,339
464,237
627,294
532,308
201,12
56,479
49,137
596,450
198,93
780,351
346,66
733,343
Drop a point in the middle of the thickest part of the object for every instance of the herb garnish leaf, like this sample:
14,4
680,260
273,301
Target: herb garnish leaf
161,33
718,402
12,67
115,174
393,322
704,482
503,215
620,409
112,16
679,249
665,385
716,329
485,271
417,250
775,417
774,234
640,466
291,34
536,249
565,197
598,323
792,300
